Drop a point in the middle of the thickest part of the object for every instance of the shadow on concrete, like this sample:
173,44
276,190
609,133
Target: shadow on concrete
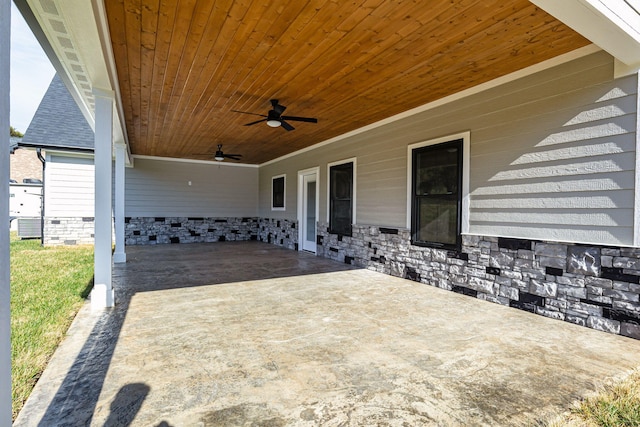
74,402
126,404
161,267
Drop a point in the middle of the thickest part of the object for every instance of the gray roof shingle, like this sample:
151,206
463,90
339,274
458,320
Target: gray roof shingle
13,143
58,122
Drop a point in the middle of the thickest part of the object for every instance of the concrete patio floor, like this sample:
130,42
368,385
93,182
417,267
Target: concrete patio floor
248,334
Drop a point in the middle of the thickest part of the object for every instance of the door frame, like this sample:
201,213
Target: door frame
301,174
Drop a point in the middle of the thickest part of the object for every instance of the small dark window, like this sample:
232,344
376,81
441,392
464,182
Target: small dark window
277,193
341,199
437,195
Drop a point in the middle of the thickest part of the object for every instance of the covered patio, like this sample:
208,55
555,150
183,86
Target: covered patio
240,333
536,207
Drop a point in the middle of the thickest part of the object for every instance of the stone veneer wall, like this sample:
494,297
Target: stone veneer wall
158,230
68,231
593,286
280,232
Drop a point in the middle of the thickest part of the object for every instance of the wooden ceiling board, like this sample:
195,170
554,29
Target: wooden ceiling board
183,66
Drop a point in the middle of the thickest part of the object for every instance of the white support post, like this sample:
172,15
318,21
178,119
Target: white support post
102,295
119,256
5,289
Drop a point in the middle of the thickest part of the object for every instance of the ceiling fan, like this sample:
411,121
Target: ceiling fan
274,117
220,156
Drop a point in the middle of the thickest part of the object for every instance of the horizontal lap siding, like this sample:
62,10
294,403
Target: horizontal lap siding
560,164
161,188
380,186
69,187
552,158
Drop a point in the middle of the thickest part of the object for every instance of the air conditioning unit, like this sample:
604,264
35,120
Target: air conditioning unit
29,228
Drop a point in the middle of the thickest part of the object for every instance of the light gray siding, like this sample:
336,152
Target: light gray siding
552,157
69,186
161,188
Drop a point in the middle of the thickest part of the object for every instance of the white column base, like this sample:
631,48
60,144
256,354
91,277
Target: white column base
102,296
119,257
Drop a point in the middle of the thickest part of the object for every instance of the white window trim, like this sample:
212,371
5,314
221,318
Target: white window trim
284,201
466,151
355,186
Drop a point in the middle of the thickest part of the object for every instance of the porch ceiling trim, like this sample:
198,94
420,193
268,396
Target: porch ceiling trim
614,25
184,160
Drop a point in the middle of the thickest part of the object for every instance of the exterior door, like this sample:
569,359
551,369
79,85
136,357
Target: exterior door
308,212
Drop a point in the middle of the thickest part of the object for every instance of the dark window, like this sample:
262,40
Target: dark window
437,195
277,197
341,199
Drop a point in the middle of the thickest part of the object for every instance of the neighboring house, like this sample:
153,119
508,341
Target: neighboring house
493,156
24,163
25,192
62,132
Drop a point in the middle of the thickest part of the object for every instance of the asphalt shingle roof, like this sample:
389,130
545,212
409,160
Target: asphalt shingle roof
13,143
58,122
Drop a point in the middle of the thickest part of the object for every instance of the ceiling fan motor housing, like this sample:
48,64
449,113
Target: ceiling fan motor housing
273,115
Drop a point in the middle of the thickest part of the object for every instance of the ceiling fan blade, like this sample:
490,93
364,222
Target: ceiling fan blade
286,125
256,122
233,156
246,112
300,119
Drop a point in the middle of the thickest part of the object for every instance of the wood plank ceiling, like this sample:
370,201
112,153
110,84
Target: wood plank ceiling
183,66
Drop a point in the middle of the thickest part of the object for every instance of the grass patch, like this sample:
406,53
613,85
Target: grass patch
48,287
616,404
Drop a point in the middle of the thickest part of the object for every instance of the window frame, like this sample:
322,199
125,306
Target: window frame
463,189
353,193
284,193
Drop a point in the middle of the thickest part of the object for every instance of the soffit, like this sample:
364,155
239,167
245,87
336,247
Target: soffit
614,25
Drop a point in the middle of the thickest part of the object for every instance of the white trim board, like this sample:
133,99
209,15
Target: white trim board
533,69
205,162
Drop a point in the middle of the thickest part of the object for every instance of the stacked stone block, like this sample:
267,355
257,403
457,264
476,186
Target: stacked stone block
279,232
593,286
160,230
69,231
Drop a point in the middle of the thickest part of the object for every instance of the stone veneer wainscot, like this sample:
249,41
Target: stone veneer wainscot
279,232
159,230
68,231
593,286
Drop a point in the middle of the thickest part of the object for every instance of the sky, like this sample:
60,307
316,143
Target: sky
31,72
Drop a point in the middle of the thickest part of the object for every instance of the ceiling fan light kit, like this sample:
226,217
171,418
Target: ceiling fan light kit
273,121
220,156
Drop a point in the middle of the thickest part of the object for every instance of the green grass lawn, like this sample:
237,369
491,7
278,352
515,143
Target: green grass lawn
48,287
616,404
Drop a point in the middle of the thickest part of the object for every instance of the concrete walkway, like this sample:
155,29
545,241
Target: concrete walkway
247,334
